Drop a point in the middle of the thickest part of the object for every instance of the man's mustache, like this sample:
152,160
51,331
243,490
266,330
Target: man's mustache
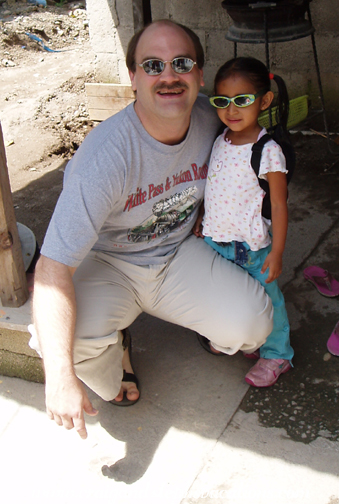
170,87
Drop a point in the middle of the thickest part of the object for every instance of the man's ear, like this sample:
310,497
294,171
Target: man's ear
202,82
266,100
132,77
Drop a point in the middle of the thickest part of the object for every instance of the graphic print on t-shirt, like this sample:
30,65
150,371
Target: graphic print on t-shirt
167,214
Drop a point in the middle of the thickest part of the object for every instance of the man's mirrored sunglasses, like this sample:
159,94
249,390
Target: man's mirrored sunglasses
243,100
156,66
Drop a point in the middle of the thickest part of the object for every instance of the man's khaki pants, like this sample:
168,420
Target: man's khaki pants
196,288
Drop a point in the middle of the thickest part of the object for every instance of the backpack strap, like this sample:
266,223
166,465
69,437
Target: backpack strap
257,149
289,154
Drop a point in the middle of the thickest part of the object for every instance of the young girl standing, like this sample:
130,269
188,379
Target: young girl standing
233,223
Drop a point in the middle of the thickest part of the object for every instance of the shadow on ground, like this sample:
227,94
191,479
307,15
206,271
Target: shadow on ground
186,389
305,400
34,204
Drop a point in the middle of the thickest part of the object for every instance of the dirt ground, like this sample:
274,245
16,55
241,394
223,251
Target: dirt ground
43,110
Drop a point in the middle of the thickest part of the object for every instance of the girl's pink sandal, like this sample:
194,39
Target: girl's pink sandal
322,280
333,341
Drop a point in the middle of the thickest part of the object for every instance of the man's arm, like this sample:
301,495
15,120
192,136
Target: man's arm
54,313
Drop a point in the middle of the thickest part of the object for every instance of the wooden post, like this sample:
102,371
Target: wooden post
13,283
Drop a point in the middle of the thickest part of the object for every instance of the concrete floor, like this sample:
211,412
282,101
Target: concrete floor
199,434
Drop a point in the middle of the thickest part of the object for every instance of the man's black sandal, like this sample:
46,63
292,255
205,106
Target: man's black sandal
127,377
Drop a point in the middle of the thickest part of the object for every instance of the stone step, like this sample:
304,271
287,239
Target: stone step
16,357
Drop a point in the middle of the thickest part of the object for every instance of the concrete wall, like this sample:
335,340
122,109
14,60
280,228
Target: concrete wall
111,27
112,24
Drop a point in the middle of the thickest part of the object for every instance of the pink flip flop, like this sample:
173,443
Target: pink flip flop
333,341
322,280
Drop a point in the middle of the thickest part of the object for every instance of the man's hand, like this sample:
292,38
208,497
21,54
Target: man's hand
274,263
66,402
54,310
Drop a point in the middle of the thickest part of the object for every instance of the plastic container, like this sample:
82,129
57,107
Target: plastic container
298,112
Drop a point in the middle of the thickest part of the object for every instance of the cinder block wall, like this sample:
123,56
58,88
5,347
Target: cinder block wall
111,25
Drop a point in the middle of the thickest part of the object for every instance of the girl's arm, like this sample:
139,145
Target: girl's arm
278,196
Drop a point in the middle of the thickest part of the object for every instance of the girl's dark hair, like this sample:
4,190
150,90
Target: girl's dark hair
256,72
132,46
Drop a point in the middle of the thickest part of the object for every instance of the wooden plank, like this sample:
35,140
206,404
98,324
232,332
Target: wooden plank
113,90
101,114
104,100
108,102
13,283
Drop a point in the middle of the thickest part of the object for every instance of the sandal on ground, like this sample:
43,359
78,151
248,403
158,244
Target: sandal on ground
127,377
206,344
322,280
333,341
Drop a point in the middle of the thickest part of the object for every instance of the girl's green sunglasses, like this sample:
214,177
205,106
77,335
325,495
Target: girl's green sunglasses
243,100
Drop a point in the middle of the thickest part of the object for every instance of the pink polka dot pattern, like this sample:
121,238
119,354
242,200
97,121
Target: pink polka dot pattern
233,197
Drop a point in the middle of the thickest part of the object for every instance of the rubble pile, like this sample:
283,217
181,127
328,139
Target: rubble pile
45,61
27,28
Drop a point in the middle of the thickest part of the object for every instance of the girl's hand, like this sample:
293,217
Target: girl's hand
197,228
274,263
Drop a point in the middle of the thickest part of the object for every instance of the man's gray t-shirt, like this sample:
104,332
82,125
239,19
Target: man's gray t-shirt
129,195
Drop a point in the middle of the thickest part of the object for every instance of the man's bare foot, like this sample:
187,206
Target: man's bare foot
130,387
214,350
207,345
